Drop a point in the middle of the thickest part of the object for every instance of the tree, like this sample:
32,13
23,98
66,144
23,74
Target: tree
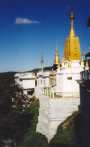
14,115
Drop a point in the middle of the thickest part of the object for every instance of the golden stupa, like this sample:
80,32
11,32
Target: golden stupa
72,43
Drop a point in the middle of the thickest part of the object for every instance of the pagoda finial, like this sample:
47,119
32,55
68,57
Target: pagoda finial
72,43
72,17
42,63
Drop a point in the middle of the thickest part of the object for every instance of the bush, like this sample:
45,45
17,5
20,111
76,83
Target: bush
31,138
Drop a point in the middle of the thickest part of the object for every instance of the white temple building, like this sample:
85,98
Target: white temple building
63,98
56,87
61,78
27,81
67,80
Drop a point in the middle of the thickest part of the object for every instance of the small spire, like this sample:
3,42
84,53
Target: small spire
56,59
42,63
72,17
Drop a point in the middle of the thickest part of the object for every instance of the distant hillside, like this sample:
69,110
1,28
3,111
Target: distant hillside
5,75
48,68
35,70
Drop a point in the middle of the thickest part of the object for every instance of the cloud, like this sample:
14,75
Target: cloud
25,21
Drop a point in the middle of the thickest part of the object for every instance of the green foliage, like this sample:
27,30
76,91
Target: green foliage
6,92
34,110
31,138
14,118
36,140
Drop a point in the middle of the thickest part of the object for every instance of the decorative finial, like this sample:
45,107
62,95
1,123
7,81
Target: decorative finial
56,59
72,15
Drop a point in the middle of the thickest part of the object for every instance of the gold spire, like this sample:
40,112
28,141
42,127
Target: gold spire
56,59
72,44
72,17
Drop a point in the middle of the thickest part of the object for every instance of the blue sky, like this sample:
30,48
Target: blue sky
30,28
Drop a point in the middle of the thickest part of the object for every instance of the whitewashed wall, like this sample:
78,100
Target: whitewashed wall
53,112
25,80
66,86
28,84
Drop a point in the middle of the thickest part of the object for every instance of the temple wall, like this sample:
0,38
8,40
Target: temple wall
66,80
53,112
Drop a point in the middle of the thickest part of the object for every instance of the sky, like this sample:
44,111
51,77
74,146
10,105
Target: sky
30,29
